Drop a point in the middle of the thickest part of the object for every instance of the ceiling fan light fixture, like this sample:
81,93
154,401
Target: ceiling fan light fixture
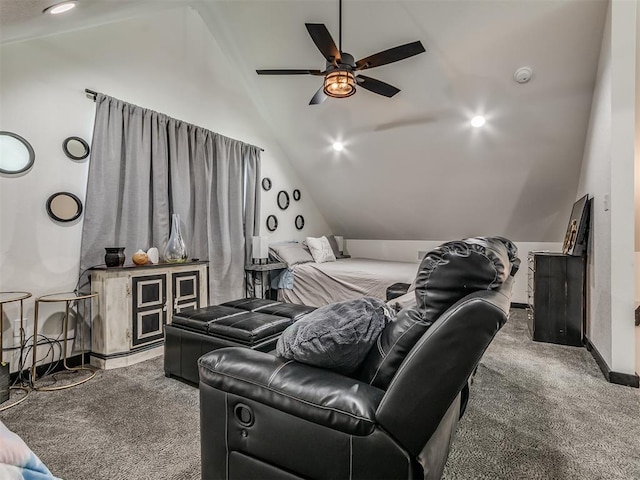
339,84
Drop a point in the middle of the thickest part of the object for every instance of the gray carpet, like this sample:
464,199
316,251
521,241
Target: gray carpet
537,411
131,423
543,411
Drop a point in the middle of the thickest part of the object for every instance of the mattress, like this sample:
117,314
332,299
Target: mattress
318,284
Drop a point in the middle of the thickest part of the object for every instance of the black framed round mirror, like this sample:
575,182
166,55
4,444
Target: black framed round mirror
75,148
299,222
283,200
266,184
296,194
64,207
272,223
16,154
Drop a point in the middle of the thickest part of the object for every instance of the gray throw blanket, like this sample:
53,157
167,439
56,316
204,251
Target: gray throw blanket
336,336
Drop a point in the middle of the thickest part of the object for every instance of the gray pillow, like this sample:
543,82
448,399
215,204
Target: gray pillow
291,253
337,336
334,245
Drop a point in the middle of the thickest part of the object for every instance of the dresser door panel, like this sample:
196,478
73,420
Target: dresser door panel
149,311
186,291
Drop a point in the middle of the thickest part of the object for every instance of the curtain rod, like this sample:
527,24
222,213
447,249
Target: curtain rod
92,95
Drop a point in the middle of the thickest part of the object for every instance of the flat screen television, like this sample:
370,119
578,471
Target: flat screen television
577,235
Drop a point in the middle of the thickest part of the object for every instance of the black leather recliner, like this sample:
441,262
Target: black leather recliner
266,417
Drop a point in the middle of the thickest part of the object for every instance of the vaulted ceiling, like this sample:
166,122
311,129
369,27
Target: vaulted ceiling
412,167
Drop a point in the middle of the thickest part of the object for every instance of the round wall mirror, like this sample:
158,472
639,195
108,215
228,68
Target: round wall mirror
75,148
272,223
296,194
266,184
283,200
16,154
64,207
299,222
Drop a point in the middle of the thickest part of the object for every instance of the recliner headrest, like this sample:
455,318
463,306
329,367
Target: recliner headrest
456,269
512,250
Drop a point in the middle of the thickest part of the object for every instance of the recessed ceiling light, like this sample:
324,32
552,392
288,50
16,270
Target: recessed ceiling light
59,8
338,146
478,121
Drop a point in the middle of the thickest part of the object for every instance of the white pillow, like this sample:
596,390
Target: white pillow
320,249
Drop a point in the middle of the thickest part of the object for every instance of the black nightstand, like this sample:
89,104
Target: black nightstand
263,272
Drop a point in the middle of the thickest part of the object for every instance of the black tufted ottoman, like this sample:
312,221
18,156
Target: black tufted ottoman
250,322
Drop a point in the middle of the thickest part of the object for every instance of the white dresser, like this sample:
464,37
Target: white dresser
133,305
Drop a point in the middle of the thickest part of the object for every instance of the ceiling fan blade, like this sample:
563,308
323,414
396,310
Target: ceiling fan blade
319,97
376,86
323,40
392,55
288,72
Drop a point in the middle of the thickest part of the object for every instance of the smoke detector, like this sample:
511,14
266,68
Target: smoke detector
523,75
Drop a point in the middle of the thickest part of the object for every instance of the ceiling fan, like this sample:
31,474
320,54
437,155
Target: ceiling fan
339,75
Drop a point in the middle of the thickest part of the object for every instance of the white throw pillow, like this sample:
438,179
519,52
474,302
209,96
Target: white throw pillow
320,249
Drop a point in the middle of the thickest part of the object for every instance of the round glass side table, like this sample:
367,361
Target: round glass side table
69,298
9,297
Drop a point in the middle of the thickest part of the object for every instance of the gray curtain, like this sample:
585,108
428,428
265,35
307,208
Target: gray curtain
145,166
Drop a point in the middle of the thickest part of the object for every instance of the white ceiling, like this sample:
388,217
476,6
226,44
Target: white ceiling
412,168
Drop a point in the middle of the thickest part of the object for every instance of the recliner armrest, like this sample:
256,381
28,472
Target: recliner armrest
397,290
321,396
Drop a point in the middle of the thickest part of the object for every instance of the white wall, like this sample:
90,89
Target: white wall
608,176
407,251
168,62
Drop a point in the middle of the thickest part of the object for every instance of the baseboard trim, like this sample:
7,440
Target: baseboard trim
618,378
142,348
74,361
518,305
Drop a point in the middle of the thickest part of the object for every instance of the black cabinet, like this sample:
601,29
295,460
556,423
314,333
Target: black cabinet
556,306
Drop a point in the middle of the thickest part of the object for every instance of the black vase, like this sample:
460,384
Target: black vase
114,256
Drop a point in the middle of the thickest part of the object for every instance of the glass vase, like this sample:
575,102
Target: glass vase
176,250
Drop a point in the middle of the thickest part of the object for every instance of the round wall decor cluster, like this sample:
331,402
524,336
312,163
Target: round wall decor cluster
66,207
283,201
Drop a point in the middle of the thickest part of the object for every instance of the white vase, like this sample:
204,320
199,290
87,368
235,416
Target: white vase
154,255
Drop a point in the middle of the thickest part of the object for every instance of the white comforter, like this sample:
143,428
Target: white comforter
318,284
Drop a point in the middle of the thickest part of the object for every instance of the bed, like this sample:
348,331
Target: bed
318,284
